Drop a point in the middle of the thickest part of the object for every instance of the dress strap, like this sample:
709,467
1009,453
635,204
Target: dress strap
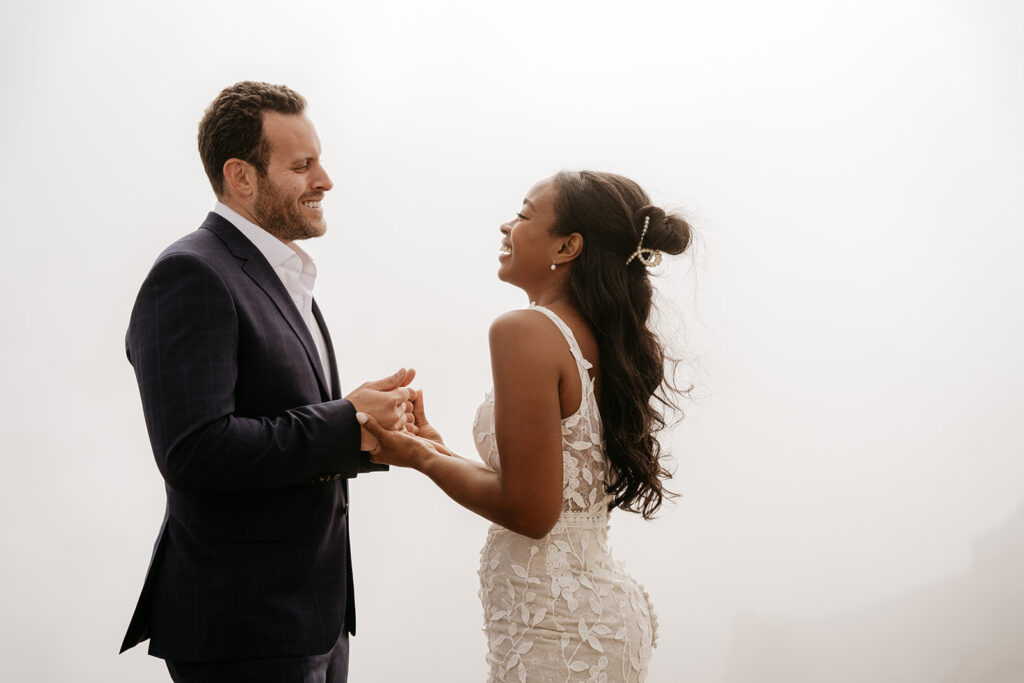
582,363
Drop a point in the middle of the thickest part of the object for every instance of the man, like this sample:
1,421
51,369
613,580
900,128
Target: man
250,578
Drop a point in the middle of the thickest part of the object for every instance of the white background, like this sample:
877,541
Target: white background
850,315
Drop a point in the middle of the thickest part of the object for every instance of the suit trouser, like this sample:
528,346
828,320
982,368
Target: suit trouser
330,667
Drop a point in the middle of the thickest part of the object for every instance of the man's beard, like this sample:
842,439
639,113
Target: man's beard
282,217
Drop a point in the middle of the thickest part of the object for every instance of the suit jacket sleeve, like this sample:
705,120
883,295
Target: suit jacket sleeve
183,344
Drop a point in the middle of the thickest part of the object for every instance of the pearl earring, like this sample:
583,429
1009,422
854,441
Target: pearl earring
552,265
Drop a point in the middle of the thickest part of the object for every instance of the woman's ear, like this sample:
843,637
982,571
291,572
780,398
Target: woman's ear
571,248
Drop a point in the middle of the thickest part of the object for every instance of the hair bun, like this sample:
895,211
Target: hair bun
667,232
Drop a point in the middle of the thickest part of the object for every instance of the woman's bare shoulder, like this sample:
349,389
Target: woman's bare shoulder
525,334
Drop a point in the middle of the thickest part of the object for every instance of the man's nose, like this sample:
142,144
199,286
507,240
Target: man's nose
323,181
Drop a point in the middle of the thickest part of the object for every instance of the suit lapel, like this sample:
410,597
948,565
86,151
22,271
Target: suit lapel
318,316
257,268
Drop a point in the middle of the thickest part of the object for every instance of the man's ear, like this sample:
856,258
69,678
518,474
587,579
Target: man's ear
240,178
571,248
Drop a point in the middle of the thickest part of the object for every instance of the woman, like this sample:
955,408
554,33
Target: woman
567,434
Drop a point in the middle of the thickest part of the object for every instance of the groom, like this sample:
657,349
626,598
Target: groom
250,577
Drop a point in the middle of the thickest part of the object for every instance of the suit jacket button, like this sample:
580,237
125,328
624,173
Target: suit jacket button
337,477
323,478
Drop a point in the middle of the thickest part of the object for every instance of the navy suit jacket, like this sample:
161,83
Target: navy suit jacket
252,558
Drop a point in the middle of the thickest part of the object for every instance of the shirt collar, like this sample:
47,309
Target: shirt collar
274,250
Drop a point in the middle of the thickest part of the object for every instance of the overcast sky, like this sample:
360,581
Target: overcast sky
850,316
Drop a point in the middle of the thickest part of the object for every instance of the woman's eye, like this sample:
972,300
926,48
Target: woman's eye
520,216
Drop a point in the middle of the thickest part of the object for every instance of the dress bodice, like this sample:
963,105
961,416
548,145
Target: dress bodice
584,466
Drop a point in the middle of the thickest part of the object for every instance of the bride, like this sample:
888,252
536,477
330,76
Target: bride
567,434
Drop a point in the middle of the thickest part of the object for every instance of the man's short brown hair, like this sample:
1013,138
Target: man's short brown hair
232,126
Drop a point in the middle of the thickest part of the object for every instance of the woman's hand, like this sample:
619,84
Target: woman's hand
400,448
419,418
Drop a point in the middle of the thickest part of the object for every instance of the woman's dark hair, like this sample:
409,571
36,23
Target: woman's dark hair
609,212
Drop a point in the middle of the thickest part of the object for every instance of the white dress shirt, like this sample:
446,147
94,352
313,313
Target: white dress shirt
295,268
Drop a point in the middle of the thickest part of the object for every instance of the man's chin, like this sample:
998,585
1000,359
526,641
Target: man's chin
307,231
316,230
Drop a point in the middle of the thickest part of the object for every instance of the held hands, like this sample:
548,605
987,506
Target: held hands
409,448
388,401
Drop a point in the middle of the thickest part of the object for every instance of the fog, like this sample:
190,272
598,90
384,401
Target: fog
850,465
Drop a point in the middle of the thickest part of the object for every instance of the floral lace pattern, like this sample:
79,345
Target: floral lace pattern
561,608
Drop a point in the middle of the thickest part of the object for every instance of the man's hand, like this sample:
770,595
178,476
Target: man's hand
386,400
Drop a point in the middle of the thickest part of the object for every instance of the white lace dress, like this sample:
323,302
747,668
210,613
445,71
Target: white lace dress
561,608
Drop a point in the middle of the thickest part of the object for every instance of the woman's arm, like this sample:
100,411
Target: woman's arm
526,495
